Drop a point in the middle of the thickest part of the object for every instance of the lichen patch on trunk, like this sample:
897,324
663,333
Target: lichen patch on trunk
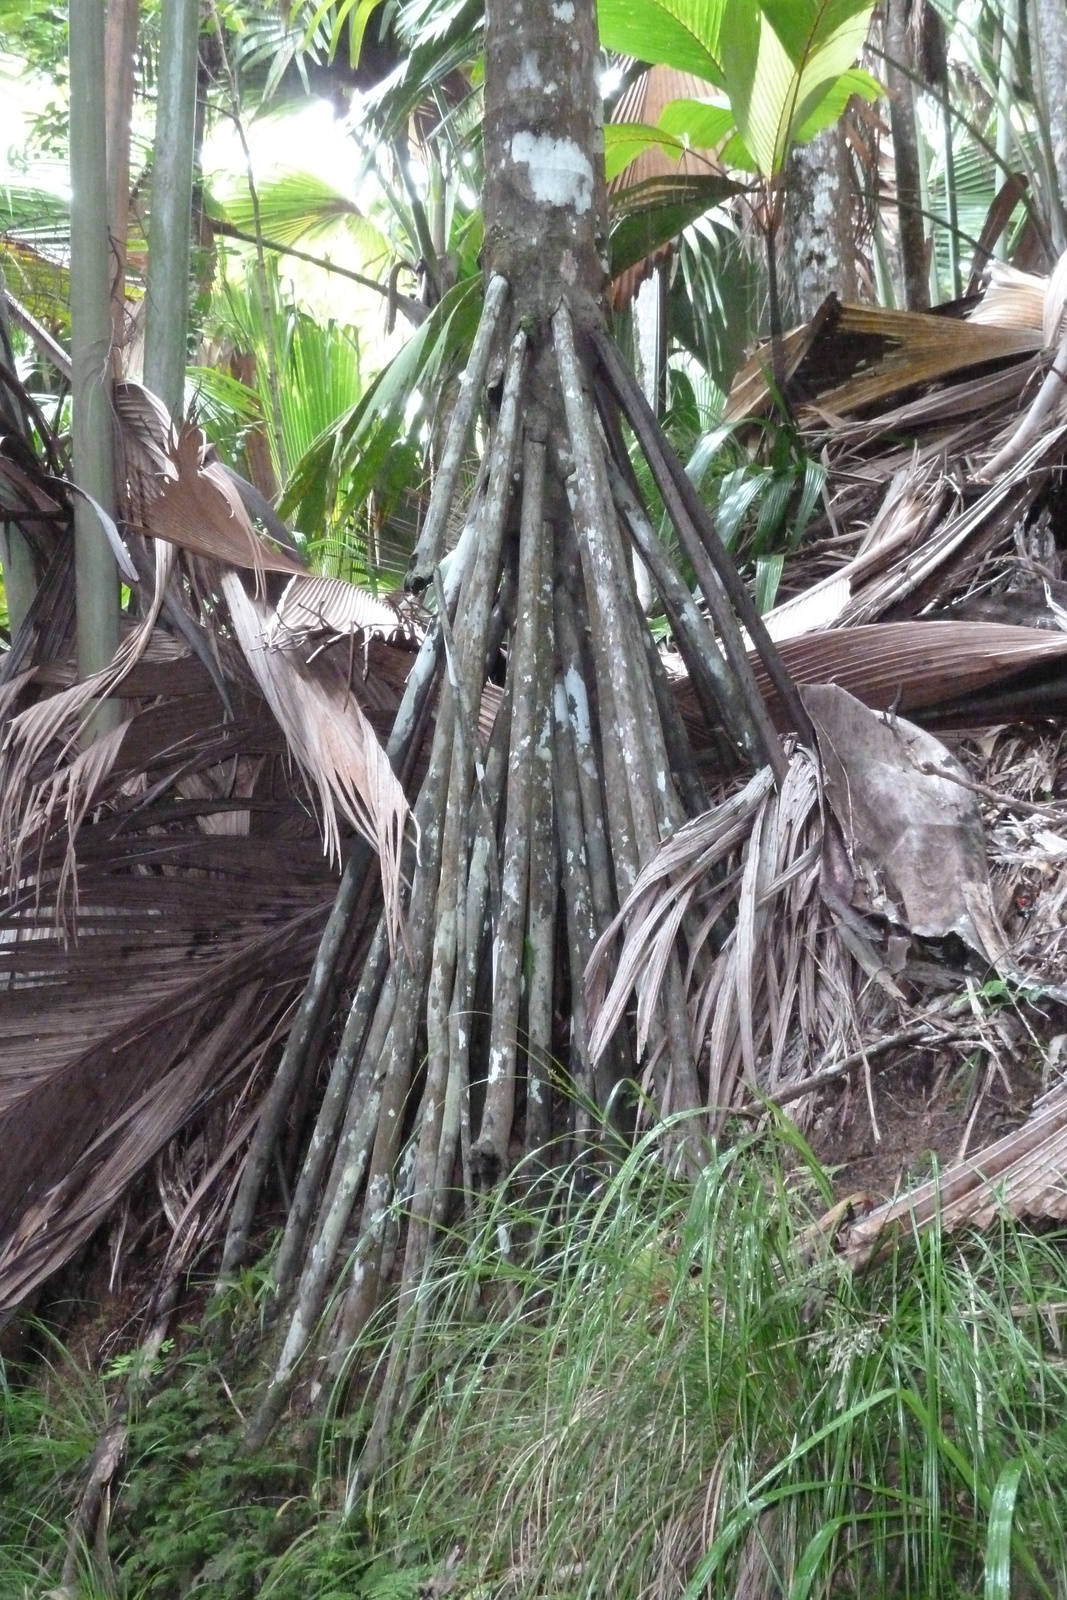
560,173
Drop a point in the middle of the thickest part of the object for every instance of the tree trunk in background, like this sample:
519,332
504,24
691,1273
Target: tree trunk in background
120,46
167,310
1048,44
16,558
96,576
900,53
820,248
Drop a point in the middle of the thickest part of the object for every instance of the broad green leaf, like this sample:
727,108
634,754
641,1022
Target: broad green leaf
651,214
832,106
371,437
699,122
683,34
804,26
772,95
998,1535
760,82
824,67
625,141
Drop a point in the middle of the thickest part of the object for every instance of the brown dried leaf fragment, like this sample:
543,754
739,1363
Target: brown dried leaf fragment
199,509
915,840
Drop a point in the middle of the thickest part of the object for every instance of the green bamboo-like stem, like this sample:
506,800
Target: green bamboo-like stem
120,51
96,576
20,576
167,294
952,209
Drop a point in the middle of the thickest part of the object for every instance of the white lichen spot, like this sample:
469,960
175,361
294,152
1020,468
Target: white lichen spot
527,75
579,703
563,11
561,174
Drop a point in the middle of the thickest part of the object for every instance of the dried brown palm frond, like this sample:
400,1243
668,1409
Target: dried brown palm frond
196,506
913,499
853,358
1025,301
190,948
312,607
32,801
914,665
797,892
1022,1175
779,991
331,741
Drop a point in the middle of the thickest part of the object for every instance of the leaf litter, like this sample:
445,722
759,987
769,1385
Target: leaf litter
813,925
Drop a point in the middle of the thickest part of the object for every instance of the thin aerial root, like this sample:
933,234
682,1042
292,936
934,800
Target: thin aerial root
582,930
708,672
714,569
544,876
489,1154
331,1113
428,550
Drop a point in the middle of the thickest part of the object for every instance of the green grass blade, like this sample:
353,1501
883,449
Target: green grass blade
998,1538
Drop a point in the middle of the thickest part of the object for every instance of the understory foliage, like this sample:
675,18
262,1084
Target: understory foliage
679,1392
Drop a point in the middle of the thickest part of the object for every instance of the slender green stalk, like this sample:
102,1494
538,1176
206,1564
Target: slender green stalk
16,558
167,311
96,577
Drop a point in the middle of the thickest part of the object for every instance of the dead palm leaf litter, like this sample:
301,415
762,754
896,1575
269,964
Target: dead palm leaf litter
881,890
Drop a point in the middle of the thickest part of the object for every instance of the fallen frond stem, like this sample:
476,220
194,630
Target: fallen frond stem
1048,399
1022,1174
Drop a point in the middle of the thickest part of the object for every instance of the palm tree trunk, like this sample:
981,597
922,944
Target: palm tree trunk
548,515
166,314
818,213
96,577
900,54
1048,45
120,45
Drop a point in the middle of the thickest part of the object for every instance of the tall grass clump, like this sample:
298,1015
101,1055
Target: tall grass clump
674,1389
